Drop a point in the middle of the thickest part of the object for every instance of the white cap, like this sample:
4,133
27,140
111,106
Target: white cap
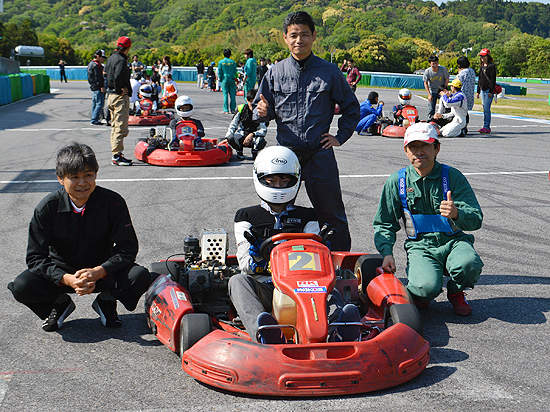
423,132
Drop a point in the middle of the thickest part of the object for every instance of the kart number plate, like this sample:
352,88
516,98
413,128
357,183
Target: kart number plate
303,261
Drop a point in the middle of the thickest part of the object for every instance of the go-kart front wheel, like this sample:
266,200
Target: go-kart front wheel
365,270
404,313
193,327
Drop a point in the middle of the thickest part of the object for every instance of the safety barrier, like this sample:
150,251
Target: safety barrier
14,87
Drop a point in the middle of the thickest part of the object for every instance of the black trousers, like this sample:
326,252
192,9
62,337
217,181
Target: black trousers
39,294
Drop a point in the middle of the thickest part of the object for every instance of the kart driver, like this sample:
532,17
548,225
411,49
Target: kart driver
436,203
81,240
405,97
184,109
371,109
146,102
276,177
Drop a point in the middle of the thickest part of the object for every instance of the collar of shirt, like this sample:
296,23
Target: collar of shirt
278,224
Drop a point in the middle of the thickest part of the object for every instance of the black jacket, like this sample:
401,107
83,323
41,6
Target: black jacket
62,241
95,75
487,78
118,73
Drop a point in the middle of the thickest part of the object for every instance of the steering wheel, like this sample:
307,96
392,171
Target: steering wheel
268,244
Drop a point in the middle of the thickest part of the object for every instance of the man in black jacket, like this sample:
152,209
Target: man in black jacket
81,240
120,91
97,84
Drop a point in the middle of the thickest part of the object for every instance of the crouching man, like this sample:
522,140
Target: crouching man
81,240
436,203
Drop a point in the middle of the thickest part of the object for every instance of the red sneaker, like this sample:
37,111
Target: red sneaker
459,303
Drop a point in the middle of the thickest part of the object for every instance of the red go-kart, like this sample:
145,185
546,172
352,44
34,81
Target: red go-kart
157,150
410,116
148,117
188,310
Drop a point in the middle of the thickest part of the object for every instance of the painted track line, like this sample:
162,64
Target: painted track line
223,178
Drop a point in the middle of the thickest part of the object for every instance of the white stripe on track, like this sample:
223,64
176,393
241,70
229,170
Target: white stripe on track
223,178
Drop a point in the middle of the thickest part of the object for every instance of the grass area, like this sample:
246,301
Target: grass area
526,108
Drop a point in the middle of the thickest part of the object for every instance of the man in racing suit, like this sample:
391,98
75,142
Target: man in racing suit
300,93
436,203
457,102
277,181
227,72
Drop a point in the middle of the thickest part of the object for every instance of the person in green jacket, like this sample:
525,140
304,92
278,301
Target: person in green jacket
249,71
436,203
227,72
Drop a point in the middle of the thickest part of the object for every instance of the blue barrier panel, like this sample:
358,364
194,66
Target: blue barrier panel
26,85
5,90
72,74
397,82
184,75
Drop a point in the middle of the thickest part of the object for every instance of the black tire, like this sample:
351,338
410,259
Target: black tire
365,270
405,313
193,327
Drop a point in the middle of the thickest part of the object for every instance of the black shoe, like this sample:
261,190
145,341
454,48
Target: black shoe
58,314
240,156
106,309
120,160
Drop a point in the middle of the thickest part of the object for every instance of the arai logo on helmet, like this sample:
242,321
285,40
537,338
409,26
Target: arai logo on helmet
279,161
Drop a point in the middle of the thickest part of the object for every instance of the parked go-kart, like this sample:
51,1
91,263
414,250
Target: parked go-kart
188,309
156,148
409,115
147,117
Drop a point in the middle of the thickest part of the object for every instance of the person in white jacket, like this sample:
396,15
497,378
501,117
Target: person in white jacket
457,102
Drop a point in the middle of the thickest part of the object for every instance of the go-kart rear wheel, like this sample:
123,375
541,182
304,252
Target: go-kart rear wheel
404,313
193,327
365,270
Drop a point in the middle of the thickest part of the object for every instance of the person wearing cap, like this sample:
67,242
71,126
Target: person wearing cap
97,85
434,76
455,100
276,176
486,86
300,93
120,92
211,77
436,204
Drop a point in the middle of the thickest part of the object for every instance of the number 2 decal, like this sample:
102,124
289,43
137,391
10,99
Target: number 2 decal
303,261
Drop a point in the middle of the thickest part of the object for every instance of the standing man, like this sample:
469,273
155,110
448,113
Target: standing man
434,76
97,85
137,66
300,93
120,91
249,72
261,70
436,203
62,75
227,71
200,74
353,74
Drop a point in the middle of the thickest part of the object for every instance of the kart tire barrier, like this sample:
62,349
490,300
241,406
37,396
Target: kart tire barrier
14,87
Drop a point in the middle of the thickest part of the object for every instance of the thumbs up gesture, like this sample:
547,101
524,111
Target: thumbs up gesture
262,106
448,208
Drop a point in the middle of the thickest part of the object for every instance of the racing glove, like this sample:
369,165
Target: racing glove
326,234
257,264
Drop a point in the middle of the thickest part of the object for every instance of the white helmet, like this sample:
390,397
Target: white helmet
146,90
277,160
182,101
405,96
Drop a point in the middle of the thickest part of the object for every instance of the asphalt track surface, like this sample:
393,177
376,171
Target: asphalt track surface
496,359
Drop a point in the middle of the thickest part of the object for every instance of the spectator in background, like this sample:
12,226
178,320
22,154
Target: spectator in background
137,66
227,71
268,63
467,77
211,75
200,74
97,85
62,75
434,76
165,69
261,70
486,87
353,75
249,71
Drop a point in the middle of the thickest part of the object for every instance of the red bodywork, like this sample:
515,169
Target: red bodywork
408,112
188,155
148,117
226,358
